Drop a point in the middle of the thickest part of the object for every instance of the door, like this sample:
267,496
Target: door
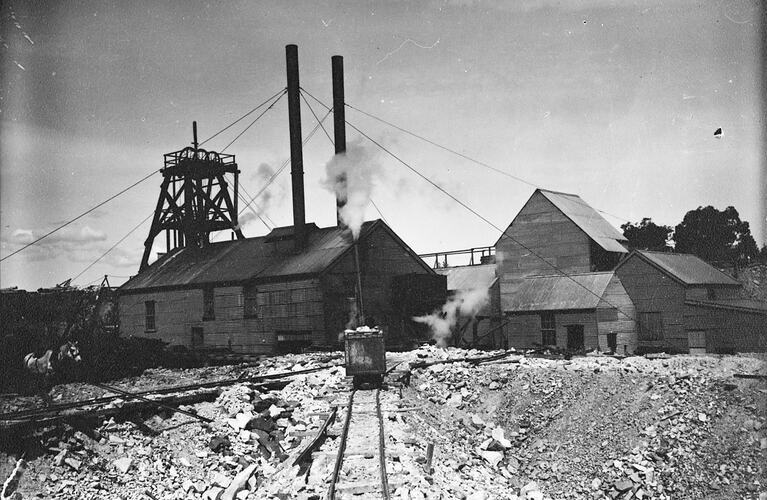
696,341
197,337
574,337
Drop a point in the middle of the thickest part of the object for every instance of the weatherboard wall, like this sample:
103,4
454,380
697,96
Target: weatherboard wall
652,291
728,331
544,230
294,306
616,314
381,258
523,330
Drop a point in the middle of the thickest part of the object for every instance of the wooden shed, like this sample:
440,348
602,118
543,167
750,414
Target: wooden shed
562,229
260,295
684,304
556,288
579,311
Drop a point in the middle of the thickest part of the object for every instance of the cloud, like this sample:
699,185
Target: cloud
66,239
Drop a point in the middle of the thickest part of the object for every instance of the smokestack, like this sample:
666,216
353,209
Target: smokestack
339,126
296,153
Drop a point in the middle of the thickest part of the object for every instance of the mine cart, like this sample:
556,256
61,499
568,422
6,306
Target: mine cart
365,355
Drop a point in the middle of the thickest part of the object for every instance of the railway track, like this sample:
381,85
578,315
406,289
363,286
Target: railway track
360,466
52,412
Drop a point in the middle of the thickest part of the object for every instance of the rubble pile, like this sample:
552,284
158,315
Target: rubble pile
600,427
524,426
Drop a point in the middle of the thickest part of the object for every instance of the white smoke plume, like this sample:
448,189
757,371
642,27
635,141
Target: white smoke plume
461,306
352,176
259,208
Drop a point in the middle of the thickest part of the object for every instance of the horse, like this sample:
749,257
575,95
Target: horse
53,363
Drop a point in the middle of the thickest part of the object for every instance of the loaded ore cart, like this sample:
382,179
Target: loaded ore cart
365,356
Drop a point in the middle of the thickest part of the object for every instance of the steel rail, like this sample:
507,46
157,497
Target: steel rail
23,414
382,446
341,448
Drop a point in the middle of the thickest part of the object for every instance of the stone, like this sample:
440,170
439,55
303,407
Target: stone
491,457
73,463
240,421
122,464
219,443
213,493
59,458
596,483
275,411
239,483
623,485
220,479
115,440
498,436
478,495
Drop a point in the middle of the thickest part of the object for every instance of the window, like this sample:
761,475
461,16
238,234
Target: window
650,326
208,304
711,293
149,316
251,302
548,329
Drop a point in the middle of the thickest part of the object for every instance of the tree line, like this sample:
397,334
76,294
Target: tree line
716,236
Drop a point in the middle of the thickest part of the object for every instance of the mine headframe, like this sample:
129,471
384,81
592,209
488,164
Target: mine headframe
194,199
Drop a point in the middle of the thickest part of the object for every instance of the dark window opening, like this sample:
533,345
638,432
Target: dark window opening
575,337
650,326
250,302
711,293
601,259
548,329
293,342
208,304
149,316
198,339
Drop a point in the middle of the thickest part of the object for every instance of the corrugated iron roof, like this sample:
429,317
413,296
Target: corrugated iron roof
248,259
479,277
688,269
588,219
748,305
550,293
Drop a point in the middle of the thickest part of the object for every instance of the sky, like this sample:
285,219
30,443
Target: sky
616,101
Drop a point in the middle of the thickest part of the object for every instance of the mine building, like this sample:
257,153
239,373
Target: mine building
686,305
554,264
257,295
296,288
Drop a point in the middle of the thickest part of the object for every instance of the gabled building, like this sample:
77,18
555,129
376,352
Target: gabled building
687,305
262,295
554,265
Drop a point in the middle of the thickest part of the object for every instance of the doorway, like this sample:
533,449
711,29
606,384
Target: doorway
198,339
574,337
696,341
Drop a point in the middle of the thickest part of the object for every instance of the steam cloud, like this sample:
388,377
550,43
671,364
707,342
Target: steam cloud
462,305
262,175
351,177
